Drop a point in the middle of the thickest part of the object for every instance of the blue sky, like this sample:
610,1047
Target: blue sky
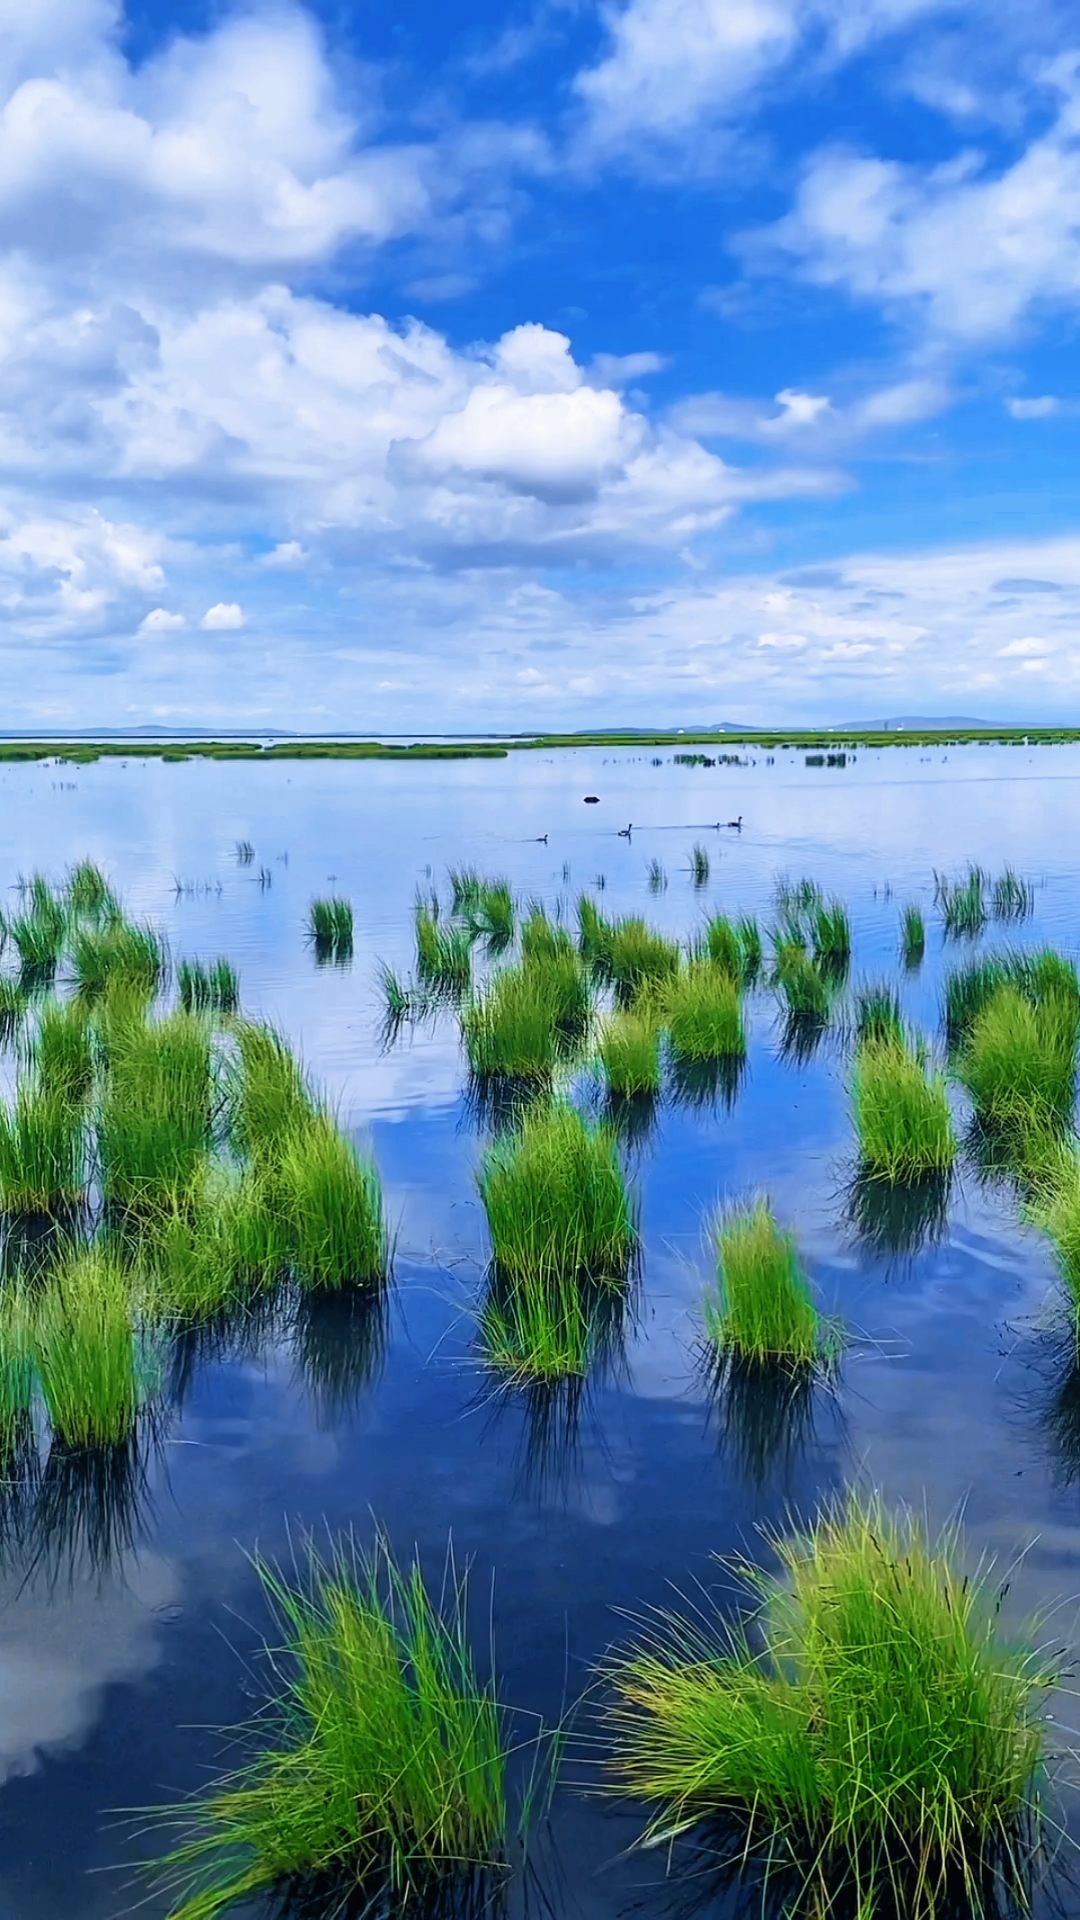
666,361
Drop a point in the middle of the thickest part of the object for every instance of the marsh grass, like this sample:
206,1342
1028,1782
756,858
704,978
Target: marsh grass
629,1050
489,913
761,1306
699,866
13,1005
1012,898
802,984
702,1011
332,1202
156,1119
964,904
557,1202
443,953
912,938
95,1370
465,888
878,1014
902,1113
88,893
208,989
330,930
656,878
39,937
831,935
61,1051
753,952
118,955
1034,975
42,1152
722,945
1019,1059
594,936
1054,1207
380,1757
16,1370
874,1725
510,1030
212,1256
638,959
538,1329
542,941
268,1097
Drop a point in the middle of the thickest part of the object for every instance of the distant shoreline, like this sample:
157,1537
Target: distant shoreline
84,750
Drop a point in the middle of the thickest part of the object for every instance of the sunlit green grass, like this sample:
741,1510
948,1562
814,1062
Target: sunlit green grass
330,930
61,1051
202,1259
912,938
801,982
638,959
702,1010
876,1727
88,892
381,1753
93,1369
117,954
761,1306
268,1096
443,952
629,1049
1019,1058
332,1202
902,1112
42,1152
528,1017
557,1201
208,989
155,1123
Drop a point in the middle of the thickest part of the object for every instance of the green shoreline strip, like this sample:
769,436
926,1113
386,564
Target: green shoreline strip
82,752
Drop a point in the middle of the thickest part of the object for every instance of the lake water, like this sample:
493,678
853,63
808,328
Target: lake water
123,1653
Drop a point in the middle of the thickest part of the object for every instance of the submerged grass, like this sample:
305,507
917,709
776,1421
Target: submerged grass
901,1112
761,1307
875,1729
1019,1059
382,1755
912,938
702,1011
629,1051
699,866
42,1152
556,1200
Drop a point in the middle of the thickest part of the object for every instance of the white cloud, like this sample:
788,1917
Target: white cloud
224,617
159,620
812,419
1039,407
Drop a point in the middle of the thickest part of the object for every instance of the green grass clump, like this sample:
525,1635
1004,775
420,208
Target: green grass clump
878,1015
753,952
877,1730
332,1202
699,866
630,1053
801,982
912,938
542,941
119,955
901,1112
702,1011
656,879
538,1329
831,934
1019,1059
268,1096
155,1125
206,989
16,1369
638,959
42,1152
330,930
762,1307
556,1200
1054,1207
381,1754
39,937
489,912
202,1259
93,1371
964,904
88,892
594,936
723,947
62,1052
1012,898
443,954
465,888
528,1019
13,1003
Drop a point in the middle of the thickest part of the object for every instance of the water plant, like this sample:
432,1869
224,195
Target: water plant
542,941
638,958
594,936
42,1152
699,866
761,1307
541,1329
963,903
443,953
208,989
94,1370
723,947
16,1371
1035,975
878,1014
1019,1058
154,1128
119,954
88,892
39,937
753,953
656,877
332,1201
901,1112
13,1002
489,912
510,1031
202,1259
379,1759
465,886
801,982
831,935
330,930
1012,898
912,938
61,1050
703,1014
629,1050
875,1728
556,1199
268,1096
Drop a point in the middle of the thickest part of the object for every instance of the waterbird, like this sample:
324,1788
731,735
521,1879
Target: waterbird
625,832
736,823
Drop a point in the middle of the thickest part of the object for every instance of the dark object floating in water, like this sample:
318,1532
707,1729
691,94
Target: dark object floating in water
592,799
625,832
736,823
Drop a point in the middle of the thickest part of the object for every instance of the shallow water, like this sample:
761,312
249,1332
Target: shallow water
130,1622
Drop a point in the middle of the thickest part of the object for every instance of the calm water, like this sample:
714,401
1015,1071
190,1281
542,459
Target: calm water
115,1675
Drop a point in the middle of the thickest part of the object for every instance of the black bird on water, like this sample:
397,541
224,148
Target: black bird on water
625,832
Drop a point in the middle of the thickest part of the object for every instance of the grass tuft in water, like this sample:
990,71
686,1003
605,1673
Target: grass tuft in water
61,1051
488,912
630,1054
94,1370
804,987
699,866
1013,898
638,959
268,1096
702,1010
546,1329
203,989
963,904
380,1758
1035,975
878,1014
753,952
901,1112
88,892
656,878
761,1307
332,1202
42,1152
876,1728
723,947
204,1259
912,938
443,954
154,1129
831,935
556,1200
594,937
117,956
330,930
1019,1059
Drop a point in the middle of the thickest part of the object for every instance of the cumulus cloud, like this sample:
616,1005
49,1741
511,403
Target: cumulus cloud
225,617
812,419
159,620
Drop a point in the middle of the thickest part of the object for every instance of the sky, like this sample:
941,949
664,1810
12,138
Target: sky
552,363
